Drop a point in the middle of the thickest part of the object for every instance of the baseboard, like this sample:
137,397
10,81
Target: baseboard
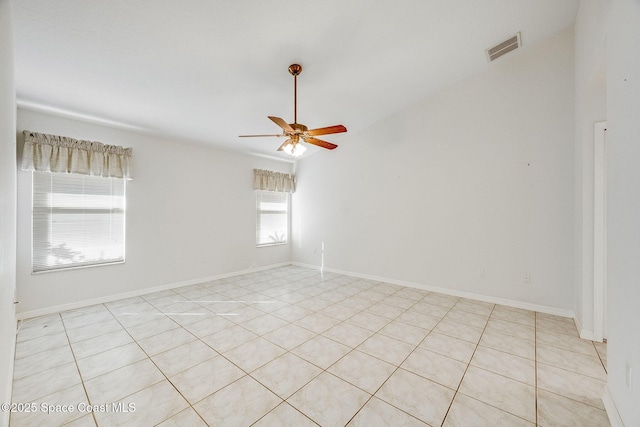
479,297
587,335
612,411
584,334
79,304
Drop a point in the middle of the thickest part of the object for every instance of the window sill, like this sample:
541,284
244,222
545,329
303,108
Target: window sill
266,245
77,267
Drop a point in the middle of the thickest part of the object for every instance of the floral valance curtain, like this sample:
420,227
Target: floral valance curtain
274,181
51,153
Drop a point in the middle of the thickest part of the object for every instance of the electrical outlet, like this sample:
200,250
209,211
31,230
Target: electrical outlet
527,278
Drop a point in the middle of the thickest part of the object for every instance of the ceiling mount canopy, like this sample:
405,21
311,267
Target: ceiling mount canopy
295,69
296,132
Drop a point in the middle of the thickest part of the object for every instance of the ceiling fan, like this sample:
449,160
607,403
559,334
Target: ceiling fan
294,132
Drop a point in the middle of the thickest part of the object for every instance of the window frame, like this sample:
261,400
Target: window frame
260,212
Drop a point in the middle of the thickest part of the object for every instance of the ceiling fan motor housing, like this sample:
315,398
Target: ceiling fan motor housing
299,128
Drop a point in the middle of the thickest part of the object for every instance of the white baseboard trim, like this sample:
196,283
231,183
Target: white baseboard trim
587,335
79,304
479,297
612,411
584,333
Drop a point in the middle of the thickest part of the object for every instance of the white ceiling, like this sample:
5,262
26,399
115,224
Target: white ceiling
206,71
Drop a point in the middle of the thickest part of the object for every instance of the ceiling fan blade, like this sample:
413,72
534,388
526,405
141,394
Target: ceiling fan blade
327,130
255,136
284,125
320,143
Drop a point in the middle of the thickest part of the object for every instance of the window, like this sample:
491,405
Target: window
78,221
272,221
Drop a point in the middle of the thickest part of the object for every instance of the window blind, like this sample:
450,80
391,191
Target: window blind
272,222
78,220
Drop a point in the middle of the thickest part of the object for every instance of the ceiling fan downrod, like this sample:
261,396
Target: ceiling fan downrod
295,69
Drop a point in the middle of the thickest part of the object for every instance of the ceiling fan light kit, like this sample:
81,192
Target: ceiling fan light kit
294,149
297,132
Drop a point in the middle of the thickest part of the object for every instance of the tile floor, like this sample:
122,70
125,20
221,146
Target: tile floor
291,347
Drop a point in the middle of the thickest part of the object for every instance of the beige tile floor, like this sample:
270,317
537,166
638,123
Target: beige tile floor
291,347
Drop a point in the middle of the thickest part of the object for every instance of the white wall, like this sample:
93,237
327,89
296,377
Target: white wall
590,107
623,206
190,215
7,205
468,191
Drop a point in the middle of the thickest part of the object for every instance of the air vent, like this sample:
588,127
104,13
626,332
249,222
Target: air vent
506,46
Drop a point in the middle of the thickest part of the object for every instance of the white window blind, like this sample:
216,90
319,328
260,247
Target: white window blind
272,222
78,220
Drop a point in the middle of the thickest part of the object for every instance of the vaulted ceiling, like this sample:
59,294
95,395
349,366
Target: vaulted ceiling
206,71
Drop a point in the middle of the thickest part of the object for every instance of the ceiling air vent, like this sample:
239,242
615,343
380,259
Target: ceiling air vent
506,46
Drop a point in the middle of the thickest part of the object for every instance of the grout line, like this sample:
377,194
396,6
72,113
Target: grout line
198,339
75,360
246,373
249,374
604,365
468,364
397,367
148,357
